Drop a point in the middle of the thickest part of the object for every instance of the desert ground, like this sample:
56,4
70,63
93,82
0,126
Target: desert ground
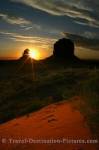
53,101
59,121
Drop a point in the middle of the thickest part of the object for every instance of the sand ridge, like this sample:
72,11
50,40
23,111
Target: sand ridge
56,121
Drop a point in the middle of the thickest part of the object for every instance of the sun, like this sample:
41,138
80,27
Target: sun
34,54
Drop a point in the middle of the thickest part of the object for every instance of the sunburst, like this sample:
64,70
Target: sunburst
34,54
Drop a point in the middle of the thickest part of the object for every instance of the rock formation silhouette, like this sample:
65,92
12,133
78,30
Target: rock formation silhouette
64,48
25,57
26,53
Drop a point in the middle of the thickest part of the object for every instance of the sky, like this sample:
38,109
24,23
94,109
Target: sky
38,24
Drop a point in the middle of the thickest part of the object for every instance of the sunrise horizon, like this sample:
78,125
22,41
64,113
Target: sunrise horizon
32,24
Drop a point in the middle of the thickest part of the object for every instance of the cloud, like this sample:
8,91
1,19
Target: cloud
55,7
87,41
84,12
36,41
34,27
14,20
23,23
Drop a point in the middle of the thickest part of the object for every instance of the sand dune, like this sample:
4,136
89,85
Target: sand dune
57,121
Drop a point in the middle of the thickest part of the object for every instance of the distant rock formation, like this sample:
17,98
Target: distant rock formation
25,54
64,48
25,57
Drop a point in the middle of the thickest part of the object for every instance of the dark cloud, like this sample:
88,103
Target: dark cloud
84,9
88,42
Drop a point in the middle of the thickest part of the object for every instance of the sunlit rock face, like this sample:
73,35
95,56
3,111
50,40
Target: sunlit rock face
64,48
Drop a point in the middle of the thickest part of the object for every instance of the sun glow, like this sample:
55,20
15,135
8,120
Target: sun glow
34,54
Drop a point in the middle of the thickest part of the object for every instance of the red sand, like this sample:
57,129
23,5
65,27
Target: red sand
56,121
